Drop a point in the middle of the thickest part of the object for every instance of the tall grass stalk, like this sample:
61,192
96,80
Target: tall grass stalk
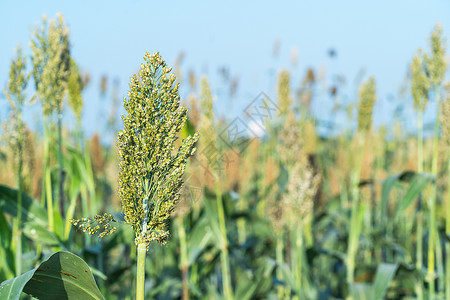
51,64
356,211
47,180
15,94
367,95
445,120
224,259
214,164
432,204
419,91
279,250
447,232
436,66
184,263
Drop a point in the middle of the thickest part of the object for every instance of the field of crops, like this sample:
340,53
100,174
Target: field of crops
186,204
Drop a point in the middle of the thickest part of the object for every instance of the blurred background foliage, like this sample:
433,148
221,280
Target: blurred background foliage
272,208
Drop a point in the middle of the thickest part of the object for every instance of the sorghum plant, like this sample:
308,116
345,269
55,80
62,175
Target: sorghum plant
445,120
151,171
51,65
15,93
436,67
212,159
367,95
74,88
419,89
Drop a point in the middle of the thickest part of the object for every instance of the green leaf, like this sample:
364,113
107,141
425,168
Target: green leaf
418,183
79,167
388,184
384,275
11,289
361,291
63,276
200,238
5,231
41,234
6,254
31,210
211,215
376,290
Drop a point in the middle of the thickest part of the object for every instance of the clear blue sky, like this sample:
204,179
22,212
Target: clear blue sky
111,37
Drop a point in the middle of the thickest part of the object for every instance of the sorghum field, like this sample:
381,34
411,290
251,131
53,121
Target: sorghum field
183,205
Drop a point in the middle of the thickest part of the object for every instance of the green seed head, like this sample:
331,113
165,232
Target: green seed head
284,90
100,223
420,84
51,63
445,120
18,79
207,116
367,96
151,171
436,62
206,103
74,86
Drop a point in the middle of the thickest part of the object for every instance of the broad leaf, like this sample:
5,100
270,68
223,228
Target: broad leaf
419,182
31,210
63,276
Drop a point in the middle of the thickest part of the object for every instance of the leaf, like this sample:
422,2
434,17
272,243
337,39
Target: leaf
6,254
41,234
360,291
418,183
388,184
211,215
5,231
288,278
376,290
31,210
384,275
199,239
11,289
63,276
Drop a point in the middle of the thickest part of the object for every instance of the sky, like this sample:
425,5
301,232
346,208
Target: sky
110,38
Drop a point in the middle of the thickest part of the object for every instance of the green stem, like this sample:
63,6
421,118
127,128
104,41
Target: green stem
61,171
140,274
280,260
447,231
184,263
419,244
241,224
70,212
355,225
432,204
299,255
224,260
17,233
48,176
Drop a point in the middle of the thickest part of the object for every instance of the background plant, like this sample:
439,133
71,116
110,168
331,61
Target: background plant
304,211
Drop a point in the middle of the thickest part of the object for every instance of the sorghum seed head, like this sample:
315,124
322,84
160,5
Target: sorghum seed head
367,95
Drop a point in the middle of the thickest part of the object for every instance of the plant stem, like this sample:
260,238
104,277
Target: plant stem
184,264
280,260
447,231
60,169
432,203
299,254
48,177
17,233
225,263
140,274
419,244
355,225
